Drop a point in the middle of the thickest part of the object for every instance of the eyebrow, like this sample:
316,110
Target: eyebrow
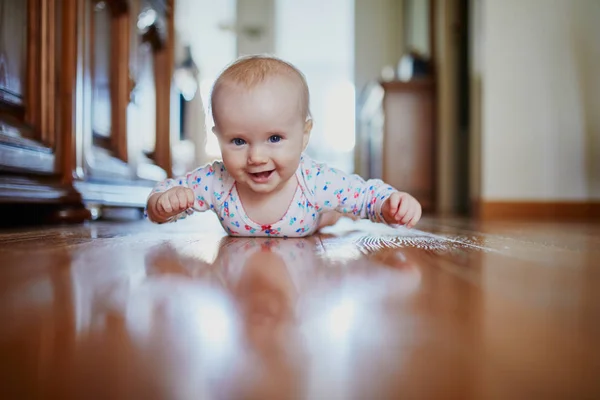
272,131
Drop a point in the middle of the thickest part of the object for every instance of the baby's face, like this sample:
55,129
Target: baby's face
261,132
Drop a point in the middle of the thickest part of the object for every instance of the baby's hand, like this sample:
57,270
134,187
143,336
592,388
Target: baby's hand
162,206
401,208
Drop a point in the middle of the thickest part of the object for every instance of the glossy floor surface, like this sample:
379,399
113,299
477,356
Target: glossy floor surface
454,310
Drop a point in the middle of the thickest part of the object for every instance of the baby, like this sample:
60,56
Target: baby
266,185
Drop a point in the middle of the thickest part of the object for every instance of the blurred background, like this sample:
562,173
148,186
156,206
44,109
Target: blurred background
485,108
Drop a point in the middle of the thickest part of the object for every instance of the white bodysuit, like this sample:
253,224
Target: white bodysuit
320,189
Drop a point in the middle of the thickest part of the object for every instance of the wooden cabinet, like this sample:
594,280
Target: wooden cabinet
84,102
408,151
396,136
29,100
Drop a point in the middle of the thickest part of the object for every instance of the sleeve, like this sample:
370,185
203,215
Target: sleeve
350,194
206,183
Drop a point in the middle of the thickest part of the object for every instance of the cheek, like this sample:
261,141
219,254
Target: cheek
289,157
233,159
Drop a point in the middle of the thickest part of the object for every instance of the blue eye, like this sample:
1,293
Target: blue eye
238,142
275,139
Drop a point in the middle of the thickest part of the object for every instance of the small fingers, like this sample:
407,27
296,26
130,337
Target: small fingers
174,201
415,219
182,198
394,203
190,198
407,218
164,206
403,211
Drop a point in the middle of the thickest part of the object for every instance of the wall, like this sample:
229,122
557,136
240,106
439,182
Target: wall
378,42
540,100
378,38
417,29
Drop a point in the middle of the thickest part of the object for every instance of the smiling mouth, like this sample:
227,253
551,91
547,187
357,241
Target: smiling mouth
261,176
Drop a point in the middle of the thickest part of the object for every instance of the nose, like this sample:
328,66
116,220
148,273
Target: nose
257,155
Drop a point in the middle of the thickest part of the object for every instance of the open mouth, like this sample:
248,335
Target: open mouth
262,176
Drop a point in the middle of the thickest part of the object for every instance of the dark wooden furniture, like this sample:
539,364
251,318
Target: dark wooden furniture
396,136
84,103
408,151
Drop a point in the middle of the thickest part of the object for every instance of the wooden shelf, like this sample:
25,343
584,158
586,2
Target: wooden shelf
83,63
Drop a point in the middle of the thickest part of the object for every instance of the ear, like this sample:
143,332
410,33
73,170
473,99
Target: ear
308,125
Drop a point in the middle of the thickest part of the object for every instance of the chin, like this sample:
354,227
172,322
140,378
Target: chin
263,189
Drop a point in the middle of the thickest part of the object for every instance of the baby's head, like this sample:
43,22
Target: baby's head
250,72
260,106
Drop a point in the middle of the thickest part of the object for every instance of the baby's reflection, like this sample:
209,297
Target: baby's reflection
262,274
263,278
287,298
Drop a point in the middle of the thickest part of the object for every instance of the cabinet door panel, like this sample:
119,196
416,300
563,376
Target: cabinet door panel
104,55
13,52
101,61
28,86
152,71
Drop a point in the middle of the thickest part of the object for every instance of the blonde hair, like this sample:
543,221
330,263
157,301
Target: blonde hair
252,70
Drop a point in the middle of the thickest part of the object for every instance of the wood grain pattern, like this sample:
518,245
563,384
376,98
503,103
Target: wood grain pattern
34,59
459,309
48,74
120,83
70,139
41,71
163,67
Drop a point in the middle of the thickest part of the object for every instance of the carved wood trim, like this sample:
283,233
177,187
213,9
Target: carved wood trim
32,98
120,83
69,87
48,74
163,67
41,68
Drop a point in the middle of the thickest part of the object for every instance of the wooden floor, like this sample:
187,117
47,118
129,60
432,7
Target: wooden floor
455,310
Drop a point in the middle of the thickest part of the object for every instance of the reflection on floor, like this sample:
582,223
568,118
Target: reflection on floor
452,310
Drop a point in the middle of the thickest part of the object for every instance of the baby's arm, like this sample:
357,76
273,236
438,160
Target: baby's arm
174,199
372,199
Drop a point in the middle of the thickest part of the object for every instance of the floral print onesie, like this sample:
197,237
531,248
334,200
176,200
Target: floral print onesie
320,189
